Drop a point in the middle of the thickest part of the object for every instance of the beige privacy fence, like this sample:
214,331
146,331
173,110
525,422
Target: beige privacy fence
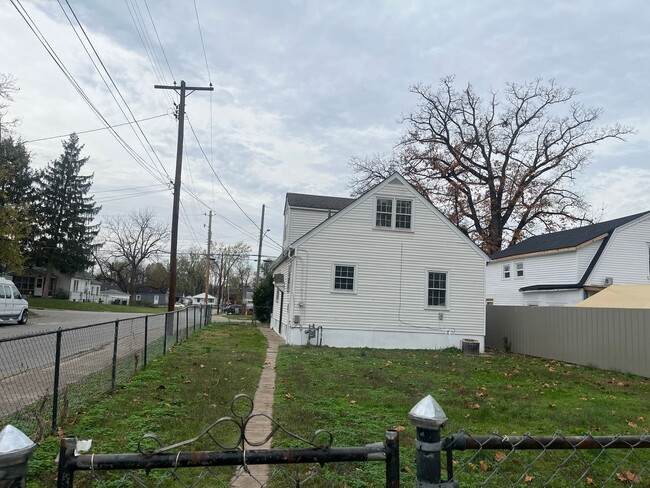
606,338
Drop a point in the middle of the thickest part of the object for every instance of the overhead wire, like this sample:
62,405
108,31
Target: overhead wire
101,62
94,130
68,75
159,41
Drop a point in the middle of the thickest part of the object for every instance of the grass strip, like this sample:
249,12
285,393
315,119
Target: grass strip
357,394
176,397
59,304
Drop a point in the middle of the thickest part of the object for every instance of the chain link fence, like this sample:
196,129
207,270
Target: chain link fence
44,375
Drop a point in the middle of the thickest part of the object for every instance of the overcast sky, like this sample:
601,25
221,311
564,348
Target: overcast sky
302,87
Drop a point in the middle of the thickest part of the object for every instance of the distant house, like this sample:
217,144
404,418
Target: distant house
148,295
564,268
113,295
199,299
79,287
385,270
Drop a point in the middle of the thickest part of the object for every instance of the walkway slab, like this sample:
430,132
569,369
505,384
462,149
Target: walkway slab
260,427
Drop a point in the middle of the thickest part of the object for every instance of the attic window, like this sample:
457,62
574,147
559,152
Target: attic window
394,213
506,271
519,269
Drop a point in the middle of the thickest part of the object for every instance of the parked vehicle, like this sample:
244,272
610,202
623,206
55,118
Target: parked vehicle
232,309
13,307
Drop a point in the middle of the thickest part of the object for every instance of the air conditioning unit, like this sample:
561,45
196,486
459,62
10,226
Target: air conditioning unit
278,278
609,281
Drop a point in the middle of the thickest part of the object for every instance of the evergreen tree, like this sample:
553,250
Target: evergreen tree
16,180
65,211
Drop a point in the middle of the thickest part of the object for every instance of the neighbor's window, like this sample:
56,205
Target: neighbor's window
506,271
437,289
344,278
394,213
138,298
519,269
75,285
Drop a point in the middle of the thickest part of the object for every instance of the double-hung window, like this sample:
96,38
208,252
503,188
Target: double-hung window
506,271
437,289
394,213
519,269
344,278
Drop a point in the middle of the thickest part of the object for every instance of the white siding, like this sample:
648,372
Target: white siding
557,268
557,298
585,256
626,257
388,307
299,221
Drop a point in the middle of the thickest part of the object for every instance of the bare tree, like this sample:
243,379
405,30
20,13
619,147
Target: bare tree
226,259
8,87
129,241
242,272
191,271
501,169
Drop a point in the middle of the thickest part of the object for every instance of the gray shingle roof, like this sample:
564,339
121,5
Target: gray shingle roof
318,201
566,238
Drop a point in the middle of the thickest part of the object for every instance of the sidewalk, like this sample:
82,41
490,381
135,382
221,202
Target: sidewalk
260,427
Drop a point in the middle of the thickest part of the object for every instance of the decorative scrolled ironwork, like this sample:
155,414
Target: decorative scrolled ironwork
241,407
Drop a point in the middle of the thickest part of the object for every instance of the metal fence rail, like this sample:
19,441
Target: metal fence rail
167,464
43,375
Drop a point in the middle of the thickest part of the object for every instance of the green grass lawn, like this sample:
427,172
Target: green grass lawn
177,396
357,394
36,302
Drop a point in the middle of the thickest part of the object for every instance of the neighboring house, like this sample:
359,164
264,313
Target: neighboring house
564,268
113,295
385,270
148,295
80,287
200,299
248,298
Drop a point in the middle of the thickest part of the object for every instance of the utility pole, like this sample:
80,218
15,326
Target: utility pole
182,91
259,249
207,267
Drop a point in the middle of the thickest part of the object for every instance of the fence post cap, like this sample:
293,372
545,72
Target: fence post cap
428,414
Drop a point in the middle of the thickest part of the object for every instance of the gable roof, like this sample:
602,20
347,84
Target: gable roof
565,239
394,178
318,201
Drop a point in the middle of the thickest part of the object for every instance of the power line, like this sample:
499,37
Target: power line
112,82
68,75
127,189
202,44
159,42
131,195
217,176
94,130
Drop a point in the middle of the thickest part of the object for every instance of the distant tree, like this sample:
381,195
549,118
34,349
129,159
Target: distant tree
156,275
129,242
64,237
501,169
242,272
226,257
14,229
8,88
263,298
190,272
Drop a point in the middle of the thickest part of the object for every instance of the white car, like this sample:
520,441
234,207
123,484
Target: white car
13,307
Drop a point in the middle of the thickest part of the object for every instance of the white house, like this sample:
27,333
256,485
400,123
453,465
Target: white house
385,270
200,299
114,296
564,268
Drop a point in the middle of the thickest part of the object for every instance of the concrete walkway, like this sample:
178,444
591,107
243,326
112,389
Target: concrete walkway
260,427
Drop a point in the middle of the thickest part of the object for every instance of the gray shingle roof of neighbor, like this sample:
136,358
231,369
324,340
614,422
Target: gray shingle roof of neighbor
318,201
566,238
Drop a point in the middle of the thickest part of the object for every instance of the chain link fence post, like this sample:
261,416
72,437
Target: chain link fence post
428,418
165,337
114,369
146,339
57,374
176,314
187,325
392,460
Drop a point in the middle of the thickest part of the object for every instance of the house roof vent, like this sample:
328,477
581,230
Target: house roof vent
609,281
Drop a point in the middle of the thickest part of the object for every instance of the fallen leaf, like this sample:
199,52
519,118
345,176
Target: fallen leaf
202,366
629,476
289,395
546,385
399,428
187,382
406,469
499,456
353,402
589,481
551,405
528,478
480,394
483,465
474,406
388,363
631,424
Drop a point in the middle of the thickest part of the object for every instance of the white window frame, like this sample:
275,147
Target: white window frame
393,214
426,290
506,269
517,275
354,278
138,298
75,285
